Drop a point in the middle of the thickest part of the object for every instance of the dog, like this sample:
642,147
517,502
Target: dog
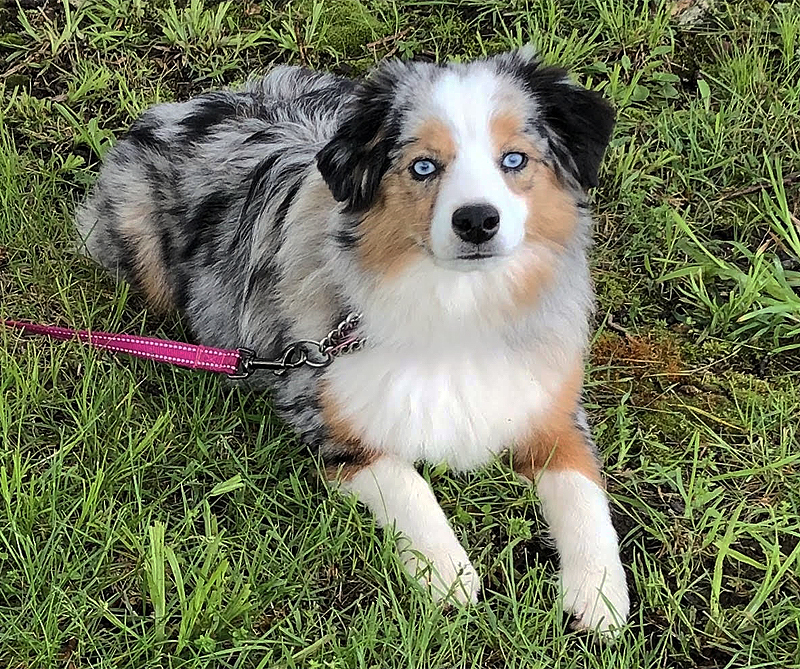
446,204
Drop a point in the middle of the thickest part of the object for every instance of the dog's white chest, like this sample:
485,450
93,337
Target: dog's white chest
455,405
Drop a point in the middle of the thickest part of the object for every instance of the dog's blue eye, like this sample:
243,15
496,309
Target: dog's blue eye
514,160
424,168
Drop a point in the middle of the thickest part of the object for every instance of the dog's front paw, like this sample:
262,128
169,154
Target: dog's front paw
597,597
448,575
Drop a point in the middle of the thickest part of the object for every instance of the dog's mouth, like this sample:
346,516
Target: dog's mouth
476,256
471,262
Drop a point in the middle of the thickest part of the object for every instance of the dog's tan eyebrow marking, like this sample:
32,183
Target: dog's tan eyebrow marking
434,135
509,132
504,128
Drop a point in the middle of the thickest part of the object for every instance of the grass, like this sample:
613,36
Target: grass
151,517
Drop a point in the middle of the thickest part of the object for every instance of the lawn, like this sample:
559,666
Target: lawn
153,517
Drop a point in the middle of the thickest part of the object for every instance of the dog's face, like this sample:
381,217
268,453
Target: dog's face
466,164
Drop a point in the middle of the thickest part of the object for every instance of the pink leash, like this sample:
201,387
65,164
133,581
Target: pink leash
192,356
236,363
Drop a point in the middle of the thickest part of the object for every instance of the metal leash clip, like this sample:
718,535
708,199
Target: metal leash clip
308,352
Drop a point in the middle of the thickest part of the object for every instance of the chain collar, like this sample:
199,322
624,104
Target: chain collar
339,341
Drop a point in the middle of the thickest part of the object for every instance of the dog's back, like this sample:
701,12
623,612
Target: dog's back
176,203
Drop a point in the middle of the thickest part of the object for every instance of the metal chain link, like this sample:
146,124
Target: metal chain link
339,341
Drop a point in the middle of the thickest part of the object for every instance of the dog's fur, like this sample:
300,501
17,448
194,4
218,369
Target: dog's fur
265,215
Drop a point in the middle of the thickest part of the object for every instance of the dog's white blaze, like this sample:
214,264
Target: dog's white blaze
399,497
475,175
592,578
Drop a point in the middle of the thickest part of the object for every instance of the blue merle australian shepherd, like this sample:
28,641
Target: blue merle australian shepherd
446,204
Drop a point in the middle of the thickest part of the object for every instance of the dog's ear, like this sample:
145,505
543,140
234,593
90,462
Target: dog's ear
354,161
579,120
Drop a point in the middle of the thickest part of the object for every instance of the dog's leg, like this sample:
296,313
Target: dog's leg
562,460
592,579
400,498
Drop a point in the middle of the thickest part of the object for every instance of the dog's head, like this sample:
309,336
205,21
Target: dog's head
467,164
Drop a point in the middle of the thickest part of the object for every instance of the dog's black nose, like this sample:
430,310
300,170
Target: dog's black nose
476,223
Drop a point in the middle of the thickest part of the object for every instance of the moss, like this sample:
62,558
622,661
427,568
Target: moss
348,25
716,348
612,293
17,80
